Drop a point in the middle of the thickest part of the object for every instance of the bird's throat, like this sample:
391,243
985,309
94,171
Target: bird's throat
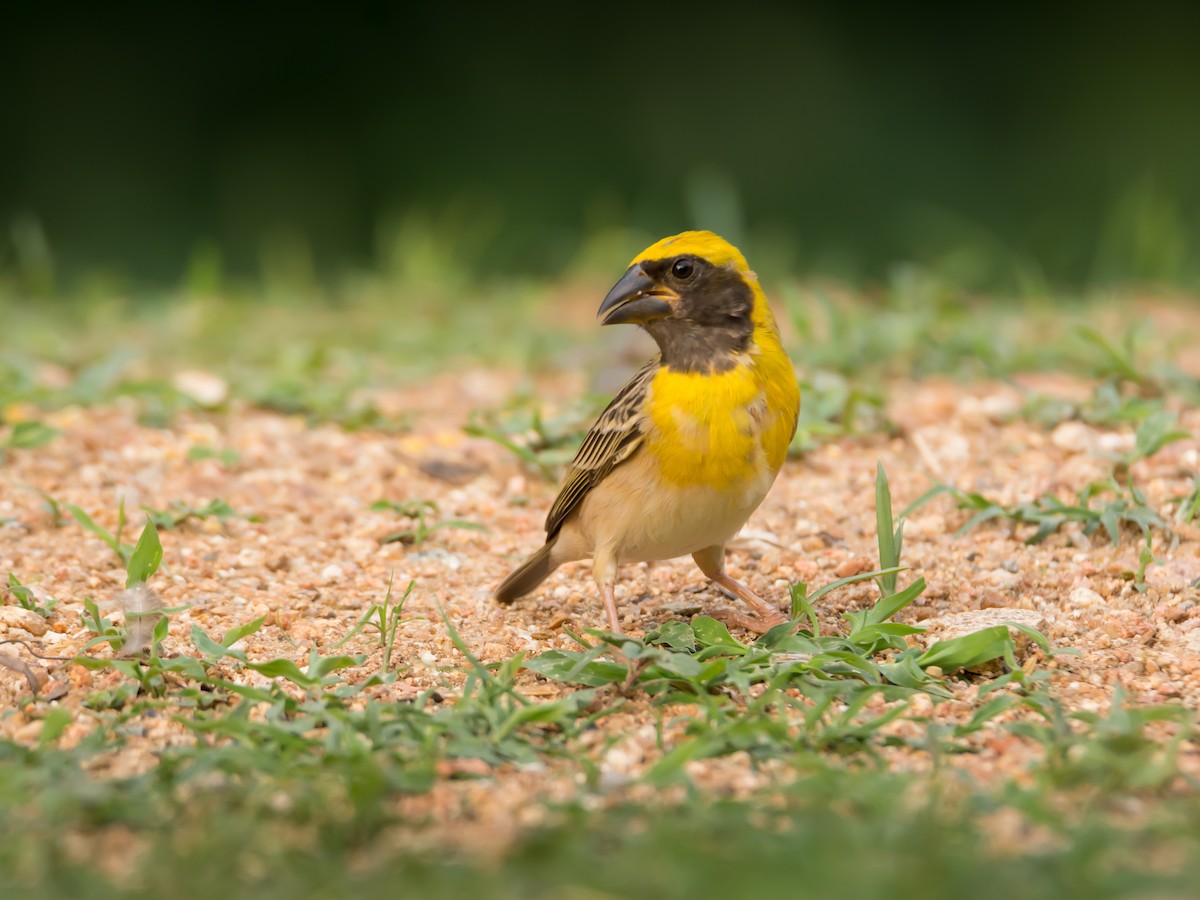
686,347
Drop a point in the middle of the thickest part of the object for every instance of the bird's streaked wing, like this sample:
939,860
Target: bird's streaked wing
611,441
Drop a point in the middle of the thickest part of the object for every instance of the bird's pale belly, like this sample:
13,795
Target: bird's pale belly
631,513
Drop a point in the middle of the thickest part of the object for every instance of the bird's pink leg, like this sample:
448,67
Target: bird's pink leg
604,570
711,561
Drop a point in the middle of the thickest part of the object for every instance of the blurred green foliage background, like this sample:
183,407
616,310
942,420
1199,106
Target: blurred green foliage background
1009,151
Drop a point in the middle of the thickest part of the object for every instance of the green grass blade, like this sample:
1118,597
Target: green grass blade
89,525
889,553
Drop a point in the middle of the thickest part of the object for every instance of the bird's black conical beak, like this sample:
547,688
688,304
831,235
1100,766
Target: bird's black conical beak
635,298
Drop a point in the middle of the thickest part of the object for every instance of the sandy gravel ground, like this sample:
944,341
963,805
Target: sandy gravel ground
312,561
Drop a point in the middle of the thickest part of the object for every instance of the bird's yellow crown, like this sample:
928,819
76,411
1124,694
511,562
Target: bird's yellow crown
704,244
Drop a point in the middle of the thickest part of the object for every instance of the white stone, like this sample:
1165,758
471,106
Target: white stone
1002,578
1074,436
1085,598
205,388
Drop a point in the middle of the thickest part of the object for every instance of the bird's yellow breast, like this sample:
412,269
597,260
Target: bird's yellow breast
723,429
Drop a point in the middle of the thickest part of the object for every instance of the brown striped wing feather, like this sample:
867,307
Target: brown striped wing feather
611,441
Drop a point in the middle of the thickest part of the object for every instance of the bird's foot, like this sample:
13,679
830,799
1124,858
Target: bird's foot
753,624
764,616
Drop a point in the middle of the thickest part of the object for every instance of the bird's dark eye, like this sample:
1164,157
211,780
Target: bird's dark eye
683,269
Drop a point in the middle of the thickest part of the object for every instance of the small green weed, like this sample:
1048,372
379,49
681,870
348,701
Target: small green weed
544,444
146,621
1109,504
1145,560
1106,505
175,515
1106,753
1107,405
1189,505
1115,360
54,508
342,404
179,512
27,435
1121,362
102,628
419,511
833,407
30,598
384,617
227,457
320,381
112,539
1154,432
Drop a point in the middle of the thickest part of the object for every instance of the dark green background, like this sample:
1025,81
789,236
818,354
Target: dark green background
993,144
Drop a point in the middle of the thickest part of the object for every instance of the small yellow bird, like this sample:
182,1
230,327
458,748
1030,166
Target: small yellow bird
688,449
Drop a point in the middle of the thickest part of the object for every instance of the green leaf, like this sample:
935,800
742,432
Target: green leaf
1145,558
250,692
91,615
161,629
284,668
712,633
1111,521
146,556
557,711
674,636
681,664
459,523
934,491
886,636
565,666
802,608
103,533
776,635
670,767
210,648
1119,362
28,435
122,551
969,649
187,666
985,713
1041,640
90,663
320,666
130,668
904,672
887,607
883,609
21,593
53,725
851,579
886,532
994,511
1156,432
235,634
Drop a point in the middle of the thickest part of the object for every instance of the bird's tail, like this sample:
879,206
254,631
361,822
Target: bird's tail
531,573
